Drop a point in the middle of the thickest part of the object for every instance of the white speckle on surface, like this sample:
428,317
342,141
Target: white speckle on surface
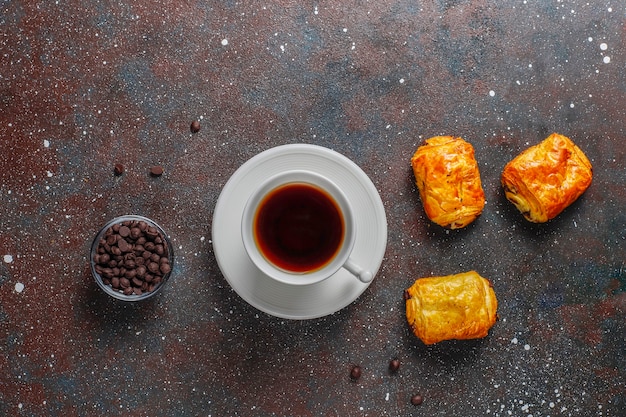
202,239
492,93
387,397
345,30
590,39
49,174
514,340
46,143
8,258
526,347
315,11
401,80
19,287
604,46
606,59
224,42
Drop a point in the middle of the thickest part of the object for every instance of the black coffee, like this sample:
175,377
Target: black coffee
299,227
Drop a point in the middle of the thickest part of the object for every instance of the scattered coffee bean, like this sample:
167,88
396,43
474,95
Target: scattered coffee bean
394,365
118,169
417,399
355,373
156,171
195,126
129,261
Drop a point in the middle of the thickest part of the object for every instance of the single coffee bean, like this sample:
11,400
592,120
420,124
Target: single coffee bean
195,126
124,283
115,282
137,291
417,399
137,282
156,171
118,169
124,231
355,373
394,365
128,290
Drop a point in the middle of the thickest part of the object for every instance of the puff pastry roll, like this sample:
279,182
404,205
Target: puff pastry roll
546,178
446,174
461,306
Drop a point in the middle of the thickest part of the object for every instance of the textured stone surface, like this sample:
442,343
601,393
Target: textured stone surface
85,85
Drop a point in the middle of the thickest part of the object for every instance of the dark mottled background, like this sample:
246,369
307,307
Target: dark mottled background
87,84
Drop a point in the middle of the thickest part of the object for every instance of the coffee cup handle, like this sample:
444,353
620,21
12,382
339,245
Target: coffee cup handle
363,275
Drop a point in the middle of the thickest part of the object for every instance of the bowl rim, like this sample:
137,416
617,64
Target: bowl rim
108,289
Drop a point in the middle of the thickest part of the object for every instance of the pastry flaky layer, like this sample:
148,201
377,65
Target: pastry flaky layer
546,178
447,176
461,306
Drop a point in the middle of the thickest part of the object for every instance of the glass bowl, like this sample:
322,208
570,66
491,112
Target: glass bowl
131,258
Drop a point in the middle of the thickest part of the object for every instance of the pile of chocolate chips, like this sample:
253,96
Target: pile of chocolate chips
132,257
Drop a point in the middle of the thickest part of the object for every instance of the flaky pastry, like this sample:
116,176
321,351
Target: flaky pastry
460,306
447,176
546,178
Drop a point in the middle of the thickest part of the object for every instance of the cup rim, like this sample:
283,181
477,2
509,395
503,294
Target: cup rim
249,241
108,289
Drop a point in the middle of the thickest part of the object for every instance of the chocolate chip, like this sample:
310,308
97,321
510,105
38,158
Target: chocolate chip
355,373
417,399
195,126
165,268
118,169
394,365
156,171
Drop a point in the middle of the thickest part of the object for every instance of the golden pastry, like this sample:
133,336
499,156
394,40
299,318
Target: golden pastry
460,306
446,174
546,178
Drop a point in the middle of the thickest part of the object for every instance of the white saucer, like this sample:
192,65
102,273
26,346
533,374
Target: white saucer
283,300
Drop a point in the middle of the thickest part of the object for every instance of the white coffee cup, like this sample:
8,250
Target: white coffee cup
298,228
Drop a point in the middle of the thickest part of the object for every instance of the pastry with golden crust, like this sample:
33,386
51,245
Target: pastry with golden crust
460,306
546,178
447,176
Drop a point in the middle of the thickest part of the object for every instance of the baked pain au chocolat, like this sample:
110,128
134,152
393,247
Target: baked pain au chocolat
447,176
546,178
460,306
